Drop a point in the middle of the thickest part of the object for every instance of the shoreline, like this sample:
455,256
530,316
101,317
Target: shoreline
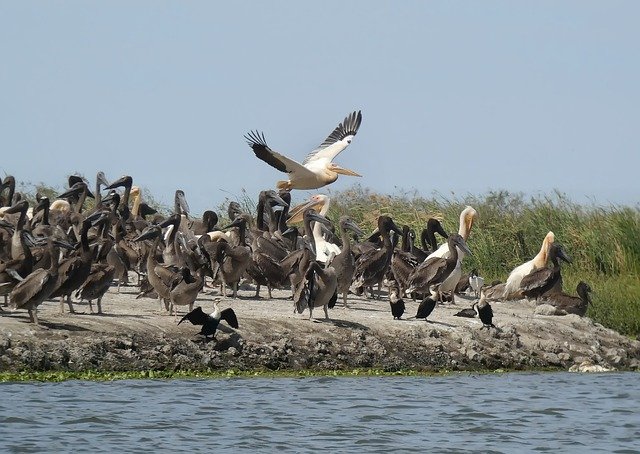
134,338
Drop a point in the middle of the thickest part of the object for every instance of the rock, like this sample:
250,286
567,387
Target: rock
548,309
589,367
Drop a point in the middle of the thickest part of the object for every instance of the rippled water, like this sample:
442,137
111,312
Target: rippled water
460,413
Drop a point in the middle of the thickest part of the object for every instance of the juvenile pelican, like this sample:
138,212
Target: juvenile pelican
317,169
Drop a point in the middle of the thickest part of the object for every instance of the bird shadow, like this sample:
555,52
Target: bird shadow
63,326
448,325
344,323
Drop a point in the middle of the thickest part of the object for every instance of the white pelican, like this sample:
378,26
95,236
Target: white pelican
467,218
317,169
321,203
512,286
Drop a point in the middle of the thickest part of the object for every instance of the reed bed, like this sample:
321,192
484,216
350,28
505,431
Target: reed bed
603,242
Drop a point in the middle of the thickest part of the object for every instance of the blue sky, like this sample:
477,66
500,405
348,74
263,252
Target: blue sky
461,97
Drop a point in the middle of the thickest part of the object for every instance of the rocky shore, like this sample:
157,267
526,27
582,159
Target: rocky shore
133,335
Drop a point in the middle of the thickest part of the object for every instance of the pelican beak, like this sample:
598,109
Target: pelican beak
235,223
297,212
101,179
148,234
563,255
319,218
463,246
275,199
121,182
354,228
343,171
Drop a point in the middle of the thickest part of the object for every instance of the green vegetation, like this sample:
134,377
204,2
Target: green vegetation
603,242
58,376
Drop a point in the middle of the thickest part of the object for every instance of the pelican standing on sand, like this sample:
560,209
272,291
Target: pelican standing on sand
317,170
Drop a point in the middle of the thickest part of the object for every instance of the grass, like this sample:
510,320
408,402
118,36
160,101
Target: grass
603,242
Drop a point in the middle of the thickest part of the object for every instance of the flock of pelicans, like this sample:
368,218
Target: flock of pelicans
61,249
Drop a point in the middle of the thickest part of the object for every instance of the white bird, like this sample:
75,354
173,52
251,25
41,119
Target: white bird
476,282
467,218
512,286
321,203
317,169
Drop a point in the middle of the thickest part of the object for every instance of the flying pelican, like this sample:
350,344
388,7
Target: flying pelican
317,169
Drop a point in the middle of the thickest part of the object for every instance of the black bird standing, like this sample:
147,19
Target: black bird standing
484,311
427,305
396,302
211,321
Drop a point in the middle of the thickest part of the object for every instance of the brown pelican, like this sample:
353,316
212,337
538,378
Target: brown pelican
159,276
10,184
403,262
211,321
427,240
317,169
571,304
36,287
101,274
435,270
512,286
318,289
233,260
14,271
125,182
73,271
344,263
372,265
540,281
96,285
184,289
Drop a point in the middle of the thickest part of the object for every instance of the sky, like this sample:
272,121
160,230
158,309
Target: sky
457,97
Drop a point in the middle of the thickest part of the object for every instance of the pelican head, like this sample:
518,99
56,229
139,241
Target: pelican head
317,202
467,218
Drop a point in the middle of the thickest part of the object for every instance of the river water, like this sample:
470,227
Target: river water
516,412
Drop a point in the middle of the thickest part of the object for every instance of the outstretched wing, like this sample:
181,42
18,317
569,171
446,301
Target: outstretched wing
259,146
338,140
230,317
196,317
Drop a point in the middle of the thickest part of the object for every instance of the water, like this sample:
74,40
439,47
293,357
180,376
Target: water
558,412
